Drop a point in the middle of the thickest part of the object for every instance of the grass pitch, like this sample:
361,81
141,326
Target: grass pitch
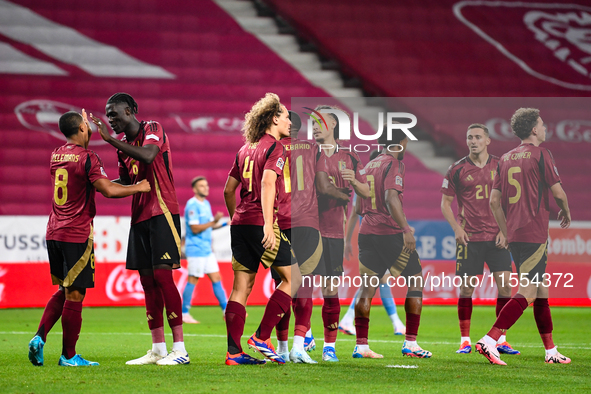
112,336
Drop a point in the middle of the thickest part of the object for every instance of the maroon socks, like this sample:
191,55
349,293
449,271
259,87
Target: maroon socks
464,315
544,321
235,317
51,314
278,305
172,301
362,329
71,323
154,302
331,311
510,313
412,326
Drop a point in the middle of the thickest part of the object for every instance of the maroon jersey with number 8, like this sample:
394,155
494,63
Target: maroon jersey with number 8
73,171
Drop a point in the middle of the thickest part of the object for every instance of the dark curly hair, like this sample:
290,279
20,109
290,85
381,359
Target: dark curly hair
124,98
523,121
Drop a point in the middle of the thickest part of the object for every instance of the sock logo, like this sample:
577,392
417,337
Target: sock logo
281,315
333,326
165,256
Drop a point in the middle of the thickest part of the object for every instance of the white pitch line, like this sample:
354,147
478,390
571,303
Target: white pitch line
584,346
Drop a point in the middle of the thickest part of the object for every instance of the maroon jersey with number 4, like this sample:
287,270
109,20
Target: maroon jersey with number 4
472,186
524,176
162,197
382,173
251,161
297,190
73,171
331,216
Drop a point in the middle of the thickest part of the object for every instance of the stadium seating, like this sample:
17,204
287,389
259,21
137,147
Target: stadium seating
447,48
203,73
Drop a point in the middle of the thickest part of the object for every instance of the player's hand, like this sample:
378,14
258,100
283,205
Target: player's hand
348,175
462,237
218,216
268,237
412,230
85,118
102,128
564,218
410,244
501,241
348,250
144,186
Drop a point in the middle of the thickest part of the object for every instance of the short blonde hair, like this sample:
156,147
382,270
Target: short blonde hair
260,117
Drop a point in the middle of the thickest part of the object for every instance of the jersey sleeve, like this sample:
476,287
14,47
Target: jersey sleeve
497,181
448,187
394,179
235,170
94,168
551,176
154,134
192,213
320,163
359,171
276,159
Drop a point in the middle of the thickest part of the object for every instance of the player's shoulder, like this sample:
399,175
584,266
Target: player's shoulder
458,164
152,125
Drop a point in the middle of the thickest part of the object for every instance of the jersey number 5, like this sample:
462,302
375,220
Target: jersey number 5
514,182
61,183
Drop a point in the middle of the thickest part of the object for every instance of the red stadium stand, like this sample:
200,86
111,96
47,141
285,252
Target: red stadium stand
192,67
449,48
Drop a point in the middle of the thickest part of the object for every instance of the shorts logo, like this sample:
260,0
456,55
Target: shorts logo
165,256
445,184
280,163
398,180
558,28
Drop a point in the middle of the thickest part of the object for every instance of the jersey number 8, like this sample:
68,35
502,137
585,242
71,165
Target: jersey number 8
61,183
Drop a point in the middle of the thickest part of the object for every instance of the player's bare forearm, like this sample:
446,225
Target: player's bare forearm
268,195
447,212
145,154
497,210
326,188
351,223
395,208
230,195
114,190
361,189
199,228
560,197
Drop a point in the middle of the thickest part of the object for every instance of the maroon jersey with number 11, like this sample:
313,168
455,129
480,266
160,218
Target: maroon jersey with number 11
251,161
524,176
73,171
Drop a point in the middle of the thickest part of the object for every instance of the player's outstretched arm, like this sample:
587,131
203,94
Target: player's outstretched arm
497,211
560,198
325,187
145,154
267,204
114,190
230,195
395,209
199,228
448,214
361,189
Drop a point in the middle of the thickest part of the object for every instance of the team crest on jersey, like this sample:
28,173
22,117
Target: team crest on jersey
191,213
280,163
398,180
445,183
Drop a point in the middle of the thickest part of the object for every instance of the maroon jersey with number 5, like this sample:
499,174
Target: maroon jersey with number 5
472,186
251,161
524,176
162,197
382,173
73,171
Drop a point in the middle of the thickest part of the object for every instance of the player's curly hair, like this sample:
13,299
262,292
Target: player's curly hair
124,98
523,121
260,117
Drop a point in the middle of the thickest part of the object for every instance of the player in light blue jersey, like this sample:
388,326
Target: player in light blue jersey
200,222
